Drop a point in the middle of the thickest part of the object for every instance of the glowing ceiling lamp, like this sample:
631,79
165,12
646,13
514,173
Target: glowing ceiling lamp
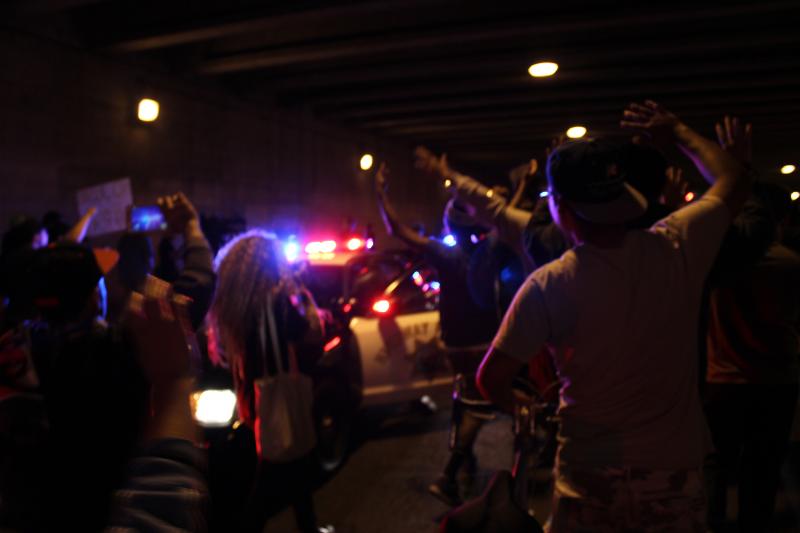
543,69
576,132
366,162
147,111
794,196
788,169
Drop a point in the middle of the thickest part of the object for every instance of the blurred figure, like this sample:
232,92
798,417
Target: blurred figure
59,467
469,318
197,278
618,312
83,372
24,234
53,222
250,270
168,267
753,342
136,260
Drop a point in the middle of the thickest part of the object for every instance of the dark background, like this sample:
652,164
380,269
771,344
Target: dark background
266,107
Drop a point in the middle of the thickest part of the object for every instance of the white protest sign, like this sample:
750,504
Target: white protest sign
111,200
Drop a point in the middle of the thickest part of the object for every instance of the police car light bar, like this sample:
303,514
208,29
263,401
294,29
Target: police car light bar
291,250
321,247
355,244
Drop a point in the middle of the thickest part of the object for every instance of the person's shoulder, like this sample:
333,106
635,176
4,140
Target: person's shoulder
556,270
704,206
783,254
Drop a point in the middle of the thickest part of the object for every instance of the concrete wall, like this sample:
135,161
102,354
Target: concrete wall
68,122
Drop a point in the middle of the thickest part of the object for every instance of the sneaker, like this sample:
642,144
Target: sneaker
445,490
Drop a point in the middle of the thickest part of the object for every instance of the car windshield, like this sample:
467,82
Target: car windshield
368,278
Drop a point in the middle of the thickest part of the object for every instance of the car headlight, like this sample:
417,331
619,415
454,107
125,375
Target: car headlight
213,408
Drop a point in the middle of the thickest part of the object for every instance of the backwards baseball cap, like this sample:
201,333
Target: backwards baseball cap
592,177
63,277
458,218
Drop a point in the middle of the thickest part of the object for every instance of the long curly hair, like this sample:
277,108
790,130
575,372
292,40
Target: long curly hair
249,269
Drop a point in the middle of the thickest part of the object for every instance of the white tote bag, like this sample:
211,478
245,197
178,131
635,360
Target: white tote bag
284,402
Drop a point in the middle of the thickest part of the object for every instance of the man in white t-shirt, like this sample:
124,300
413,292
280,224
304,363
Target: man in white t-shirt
619,313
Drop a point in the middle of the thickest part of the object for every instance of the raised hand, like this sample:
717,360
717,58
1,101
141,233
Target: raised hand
178,212
555,143
429,162
675,187
652,120
533,167
735,139
162,336
381,184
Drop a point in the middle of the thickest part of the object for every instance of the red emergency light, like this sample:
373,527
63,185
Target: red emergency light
355,244
333,343
382,306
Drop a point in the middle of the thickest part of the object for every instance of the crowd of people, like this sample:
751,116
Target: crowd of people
667,332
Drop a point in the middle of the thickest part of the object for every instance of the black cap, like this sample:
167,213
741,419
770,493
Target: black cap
592,177
63,277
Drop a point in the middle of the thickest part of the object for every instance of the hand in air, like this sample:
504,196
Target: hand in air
555,143
652,120
381,183
178,212
429,162
735,139
161,333
675,187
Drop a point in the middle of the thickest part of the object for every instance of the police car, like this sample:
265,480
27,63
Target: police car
381,312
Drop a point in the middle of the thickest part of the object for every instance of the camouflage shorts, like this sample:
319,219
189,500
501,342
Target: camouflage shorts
627,499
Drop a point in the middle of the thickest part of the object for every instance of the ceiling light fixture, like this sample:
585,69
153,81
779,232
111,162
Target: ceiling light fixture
576,132
543,69
147,111
788,169
366,162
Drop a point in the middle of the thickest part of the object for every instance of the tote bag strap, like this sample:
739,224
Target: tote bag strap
273,334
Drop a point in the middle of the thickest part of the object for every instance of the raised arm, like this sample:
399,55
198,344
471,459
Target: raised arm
488,208
729,179
165,488
530,169
197,280
78,232
394,226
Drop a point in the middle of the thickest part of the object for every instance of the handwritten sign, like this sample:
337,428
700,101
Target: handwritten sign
111,200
